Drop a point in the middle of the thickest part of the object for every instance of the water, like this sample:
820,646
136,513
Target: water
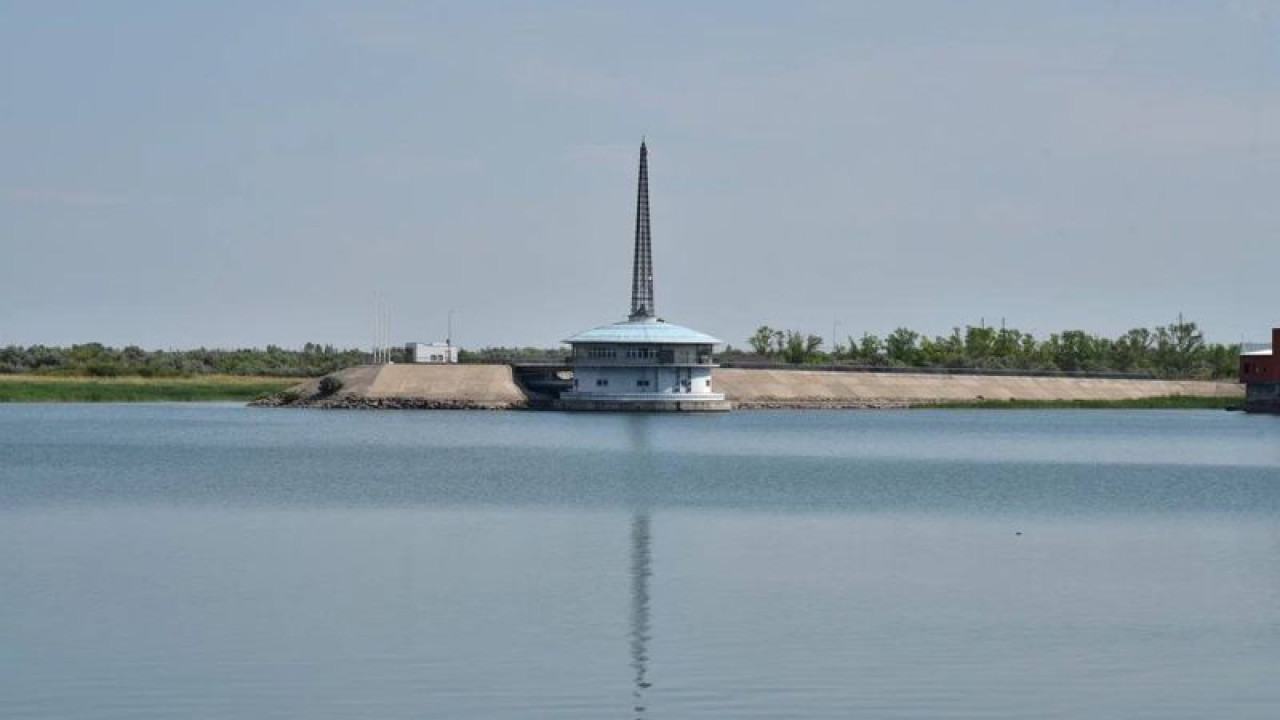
214,561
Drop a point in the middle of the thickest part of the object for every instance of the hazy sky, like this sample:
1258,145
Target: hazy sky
237,173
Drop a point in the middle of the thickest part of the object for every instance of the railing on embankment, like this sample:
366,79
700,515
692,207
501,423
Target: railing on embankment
996,372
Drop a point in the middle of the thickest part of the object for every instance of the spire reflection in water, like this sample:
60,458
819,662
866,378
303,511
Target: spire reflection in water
640,476
640,572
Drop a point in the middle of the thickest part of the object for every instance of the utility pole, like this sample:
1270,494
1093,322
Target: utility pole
448,339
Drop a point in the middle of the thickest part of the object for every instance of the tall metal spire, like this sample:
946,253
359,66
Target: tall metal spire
642,267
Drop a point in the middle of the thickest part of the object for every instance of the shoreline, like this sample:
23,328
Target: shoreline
260,391
78,389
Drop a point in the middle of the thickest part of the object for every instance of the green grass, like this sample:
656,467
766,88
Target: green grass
28,388
1168,402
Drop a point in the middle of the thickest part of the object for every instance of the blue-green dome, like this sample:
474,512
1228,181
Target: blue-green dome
648,331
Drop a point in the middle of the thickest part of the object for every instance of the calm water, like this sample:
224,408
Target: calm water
214,561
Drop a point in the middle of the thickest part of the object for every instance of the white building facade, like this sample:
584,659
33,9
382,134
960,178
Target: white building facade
643,359
431,353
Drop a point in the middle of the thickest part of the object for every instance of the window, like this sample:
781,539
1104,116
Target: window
602,382
642,383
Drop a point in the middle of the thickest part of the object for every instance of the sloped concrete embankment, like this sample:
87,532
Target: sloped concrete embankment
405,387
761,388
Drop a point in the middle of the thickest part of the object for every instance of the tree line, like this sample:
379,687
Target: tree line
312,360
96,359
1176,350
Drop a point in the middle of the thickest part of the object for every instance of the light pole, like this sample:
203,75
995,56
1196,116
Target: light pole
448,339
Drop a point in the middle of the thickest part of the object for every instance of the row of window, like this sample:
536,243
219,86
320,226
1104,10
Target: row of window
647,354
686,384
631,353
1260,368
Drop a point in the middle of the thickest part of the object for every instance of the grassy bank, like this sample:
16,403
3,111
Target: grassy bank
1169,402
37,388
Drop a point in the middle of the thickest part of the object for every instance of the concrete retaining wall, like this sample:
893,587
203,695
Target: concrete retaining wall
1263,398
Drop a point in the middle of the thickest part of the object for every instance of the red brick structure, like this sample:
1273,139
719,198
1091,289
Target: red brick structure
1260,373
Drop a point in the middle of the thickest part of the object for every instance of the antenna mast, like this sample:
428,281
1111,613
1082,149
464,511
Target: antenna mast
642,264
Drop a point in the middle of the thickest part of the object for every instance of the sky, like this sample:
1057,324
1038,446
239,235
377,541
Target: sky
231,173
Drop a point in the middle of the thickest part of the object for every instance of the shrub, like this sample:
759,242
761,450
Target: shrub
329,385
103,369
286,397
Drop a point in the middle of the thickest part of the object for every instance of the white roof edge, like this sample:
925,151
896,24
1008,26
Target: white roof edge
656,332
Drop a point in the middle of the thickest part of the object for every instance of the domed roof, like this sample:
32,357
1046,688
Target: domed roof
648,330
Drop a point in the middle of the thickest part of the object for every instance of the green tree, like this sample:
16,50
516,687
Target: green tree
979,345
762,341
796,347
1006,346
901,349
871,350
1132,350
1071,350
1180,350
1222,360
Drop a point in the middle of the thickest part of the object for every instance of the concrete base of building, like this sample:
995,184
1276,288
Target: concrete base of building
1262,398
708,402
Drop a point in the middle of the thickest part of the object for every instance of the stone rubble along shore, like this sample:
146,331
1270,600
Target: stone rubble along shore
821,404
346,402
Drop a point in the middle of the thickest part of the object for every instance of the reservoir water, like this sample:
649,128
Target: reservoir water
216,561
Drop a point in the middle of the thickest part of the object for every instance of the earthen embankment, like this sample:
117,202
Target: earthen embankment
751,387
412,387
494,387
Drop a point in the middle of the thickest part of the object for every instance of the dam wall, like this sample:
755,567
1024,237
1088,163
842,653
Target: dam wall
495,387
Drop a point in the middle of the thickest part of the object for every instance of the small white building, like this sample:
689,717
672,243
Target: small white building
643,363
435,353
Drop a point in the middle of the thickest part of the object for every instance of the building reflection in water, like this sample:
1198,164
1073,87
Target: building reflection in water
640,572
642,468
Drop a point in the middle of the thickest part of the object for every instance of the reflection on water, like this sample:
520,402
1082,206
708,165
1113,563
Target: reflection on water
640,629
641,468
212,562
